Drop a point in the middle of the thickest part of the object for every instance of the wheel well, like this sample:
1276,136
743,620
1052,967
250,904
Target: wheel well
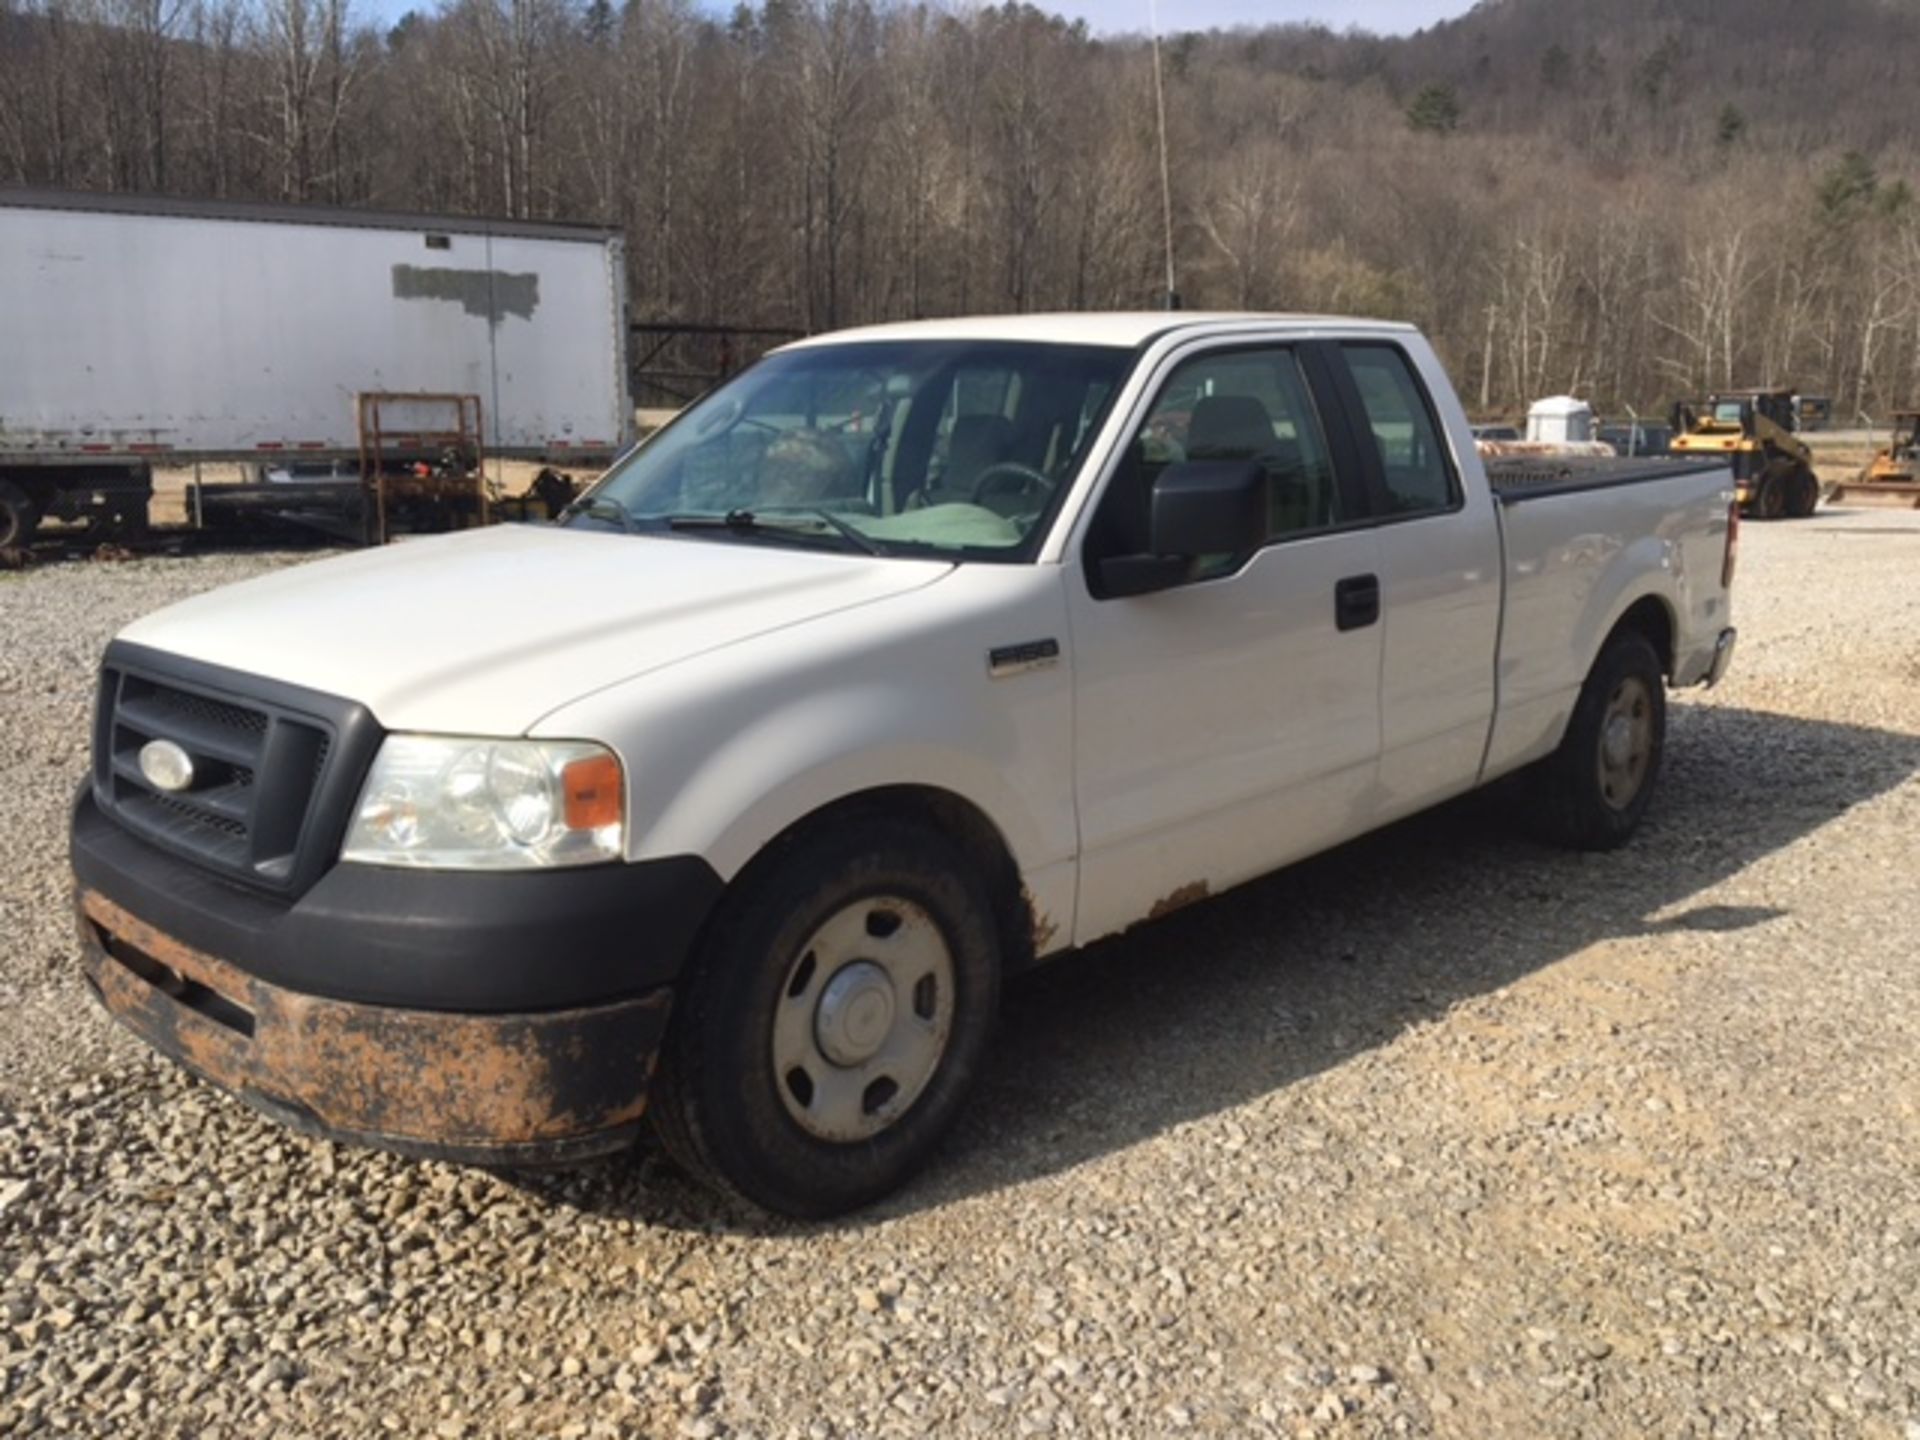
1650,617
960,821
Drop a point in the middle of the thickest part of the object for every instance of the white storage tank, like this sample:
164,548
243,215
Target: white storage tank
1562,419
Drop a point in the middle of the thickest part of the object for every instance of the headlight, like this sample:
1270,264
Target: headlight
451,803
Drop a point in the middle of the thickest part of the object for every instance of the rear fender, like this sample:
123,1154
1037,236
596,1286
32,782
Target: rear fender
1554,635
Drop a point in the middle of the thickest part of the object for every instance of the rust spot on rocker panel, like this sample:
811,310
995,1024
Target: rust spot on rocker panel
371,1069
1191,893
1043,927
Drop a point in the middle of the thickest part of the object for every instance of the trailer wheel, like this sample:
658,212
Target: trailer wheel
834,1019
1591,792
19,516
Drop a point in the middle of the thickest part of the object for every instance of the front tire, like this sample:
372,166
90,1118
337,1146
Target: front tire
1803,493
834,1019
1591,792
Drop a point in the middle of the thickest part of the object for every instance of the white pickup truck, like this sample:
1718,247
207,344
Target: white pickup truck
910,656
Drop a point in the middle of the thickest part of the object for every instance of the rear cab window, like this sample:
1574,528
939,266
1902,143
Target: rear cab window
1416,472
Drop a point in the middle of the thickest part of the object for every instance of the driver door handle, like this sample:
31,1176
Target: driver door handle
1356,601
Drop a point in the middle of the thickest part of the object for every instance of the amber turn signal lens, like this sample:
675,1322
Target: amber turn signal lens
592,788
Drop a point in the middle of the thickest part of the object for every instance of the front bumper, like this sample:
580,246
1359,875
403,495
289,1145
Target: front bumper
474,941
492,1019
537,1088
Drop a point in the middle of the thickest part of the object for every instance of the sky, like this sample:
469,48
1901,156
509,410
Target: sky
1385,17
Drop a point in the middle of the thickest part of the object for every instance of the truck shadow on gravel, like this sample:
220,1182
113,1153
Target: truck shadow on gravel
1303,971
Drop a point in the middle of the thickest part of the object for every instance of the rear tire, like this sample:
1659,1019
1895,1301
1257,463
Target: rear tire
834,1019
1591,792
19,516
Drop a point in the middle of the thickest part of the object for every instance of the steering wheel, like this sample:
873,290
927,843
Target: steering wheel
1010,478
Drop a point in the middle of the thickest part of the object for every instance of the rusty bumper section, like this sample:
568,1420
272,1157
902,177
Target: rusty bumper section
540,1088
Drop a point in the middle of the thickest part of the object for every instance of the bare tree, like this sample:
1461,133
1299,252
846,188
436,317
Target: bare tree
1595,219
310,65
829,90
214,27
1716,273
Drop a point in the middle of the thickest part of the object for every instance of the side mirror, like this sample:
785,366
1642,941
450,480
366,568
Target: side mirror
1199,507
1208,507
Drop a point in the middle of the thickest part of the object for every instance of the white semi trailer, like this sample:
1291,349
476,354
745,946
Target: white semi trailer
137,331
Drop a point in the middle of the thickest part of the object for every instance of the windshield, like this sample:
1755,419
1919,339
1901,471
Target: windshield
957,448
1726,412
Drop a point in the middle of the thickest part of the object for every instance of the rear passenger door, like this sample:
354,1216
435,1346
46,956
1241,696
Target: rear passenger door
1229,724
1439,572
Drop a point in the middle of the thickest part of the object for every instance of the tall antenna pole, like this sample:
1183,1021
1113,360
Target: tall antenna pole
1166,180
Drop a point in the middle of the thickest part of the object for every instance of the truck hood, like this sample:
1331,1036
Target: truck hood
486,631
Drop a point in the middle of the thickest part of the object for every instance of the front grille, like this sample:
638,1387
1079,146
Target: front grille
257,807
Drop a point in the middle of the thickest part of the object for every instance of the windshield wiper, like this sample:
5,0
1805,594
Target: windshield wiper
605,507
745,522
851,533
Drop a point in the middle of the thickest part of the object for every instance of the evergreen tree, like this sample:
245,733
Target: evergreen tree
1556,68
1436,109
1847,189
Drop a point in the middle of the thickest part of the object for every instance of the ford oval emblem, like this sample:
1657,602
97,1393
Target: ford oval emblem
166,766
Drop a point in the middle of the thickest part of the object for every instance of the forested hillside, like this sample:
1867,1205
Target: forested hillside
1633,198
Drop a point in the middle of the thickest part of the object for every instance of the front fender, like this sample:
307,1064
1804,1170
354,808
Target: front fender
726,751
785,765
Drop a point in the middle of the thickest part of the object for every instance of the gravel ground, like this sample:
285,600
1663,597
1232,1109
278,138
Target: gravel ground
1440,1134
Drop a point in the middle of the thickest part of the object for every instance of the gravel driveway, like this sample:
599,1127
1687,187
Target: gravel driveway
1440,1134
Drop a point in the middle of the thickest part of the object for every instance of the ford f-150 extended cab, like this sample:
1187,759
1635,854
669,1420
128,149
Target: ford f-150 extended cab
910,656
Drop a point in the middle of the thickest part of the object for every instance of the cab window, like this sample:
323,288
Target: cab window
1246,405
1418,475
1243,404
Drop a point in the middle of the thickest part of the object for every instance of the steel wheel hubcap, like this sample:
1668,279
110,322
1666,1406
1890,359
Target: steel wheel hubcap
855,1014
1626,742
863,1019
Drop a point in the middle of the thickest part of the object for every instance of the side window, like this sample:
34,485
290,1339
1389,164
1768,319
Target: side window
1244,405
1418,477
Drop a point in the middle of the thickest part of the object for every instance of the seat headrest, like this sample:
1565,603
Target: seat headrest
1229,427
977,441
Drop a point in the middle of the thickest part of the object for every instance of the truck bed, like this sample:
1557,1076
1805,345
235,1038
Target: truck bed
1601,529
1526,477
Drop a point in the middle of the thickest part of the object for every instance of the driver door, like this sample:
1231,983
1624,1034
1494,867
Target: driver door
1230,724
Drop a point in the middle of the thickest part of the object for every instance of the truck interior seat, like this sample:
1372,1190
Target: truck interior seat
1229,427
1239,427
977,442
